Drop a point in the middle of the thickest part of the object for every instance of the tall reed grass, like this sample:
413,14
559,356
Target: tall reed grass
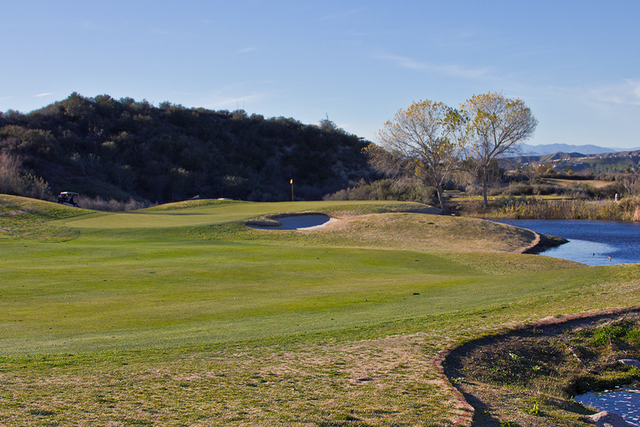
627,209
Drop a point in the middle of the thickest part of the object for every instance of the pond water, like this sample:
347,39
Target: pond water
590,242
597,243
624,401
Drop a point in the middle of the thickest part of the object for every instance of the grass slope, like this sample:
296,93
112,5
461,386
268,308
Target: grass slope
181,315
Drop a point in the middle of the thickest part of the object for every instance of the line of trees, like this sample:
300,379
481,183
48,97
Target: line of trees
123,149
430,140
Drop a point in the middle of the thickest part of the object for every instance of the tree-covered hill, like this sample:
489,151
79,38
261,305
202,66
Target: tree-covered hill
122,148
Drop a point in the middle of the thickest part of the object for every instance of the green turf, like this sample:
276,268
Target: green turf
210,212
129,301
118,286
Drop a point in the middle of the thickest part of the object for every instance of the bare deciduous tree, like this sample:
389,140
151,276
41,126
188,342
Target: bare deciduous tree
423,140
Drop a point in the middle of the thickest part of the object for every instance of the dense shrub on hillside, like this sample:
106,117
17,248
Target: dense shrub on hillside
540,189
14,181
122,148
388,189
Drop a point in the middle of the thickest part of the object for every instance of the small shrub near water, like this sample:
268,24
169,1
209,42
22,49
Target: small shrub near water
613,334
535,410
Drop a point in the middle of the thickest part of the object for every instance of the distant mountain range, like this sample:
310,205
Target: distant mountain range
541,150
578,158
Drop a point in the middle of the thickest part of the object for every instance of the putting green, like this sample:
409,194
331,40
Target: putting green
217,213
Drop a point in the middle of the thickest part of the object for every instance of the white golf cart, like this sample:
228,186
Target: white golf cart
68,198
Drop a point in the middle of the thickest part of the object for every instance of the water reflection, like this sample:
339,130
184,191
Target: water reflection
590,242
624,401
586,252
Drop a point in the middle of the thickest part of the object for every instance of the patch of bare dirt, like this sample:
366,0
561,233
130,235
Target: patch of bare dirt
14,212
527,377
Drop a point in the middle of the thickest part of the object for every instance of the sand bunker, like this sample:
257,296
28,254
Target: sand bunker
295,222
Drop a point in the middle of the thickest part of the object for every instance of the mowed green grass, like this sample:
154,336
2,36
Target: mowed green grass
116,286
205,212
181,315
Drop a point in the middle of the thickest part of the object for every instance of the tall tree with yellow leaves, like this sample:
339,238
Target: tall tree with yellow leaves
424,138
495,126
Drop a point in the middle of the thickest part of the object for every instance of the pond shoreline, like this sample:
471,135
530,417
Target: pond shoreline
590,242
481,396
544,242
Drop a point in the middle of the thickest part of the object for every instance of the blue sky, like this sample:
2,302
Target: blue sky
576,64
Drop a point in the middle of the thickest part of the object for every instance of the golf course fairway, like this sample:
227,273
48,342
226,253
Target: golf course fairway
182,315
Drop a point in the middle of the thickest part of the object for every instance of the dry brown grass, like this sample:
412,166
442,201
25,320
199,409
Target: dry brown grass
432,233
572,183
366,382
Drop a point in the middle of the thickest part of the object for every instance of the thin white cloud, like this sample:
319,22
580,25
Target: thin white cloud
449,70
246,50
344,14
92,26
606,96
161,32
624,93
235,102
40,95
637,89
